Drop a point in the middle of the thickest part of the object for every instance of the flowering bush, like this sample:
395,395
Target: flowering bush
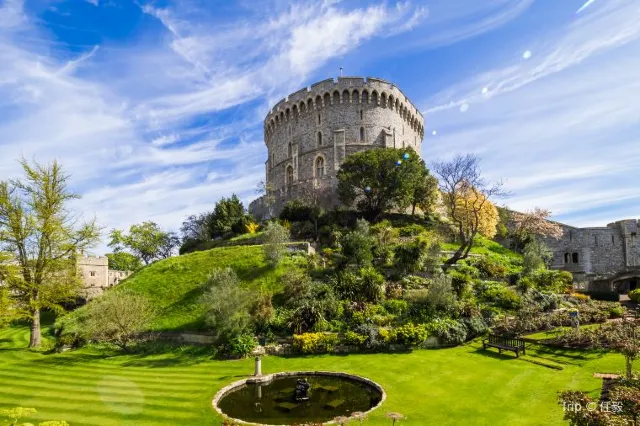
309,343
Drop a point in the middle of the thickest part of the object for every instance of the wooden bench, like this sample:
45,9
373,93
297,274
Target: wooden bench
507,343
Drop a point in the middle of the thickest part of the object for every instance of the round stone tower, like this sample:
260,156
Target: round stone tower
310,132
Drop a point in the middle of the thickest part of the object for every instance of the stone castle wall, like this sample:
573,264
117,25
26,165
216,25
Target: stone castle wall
97,276
309,134
598,253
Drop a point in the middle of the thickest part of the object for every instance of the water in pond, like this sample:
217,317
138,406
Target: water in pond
275,403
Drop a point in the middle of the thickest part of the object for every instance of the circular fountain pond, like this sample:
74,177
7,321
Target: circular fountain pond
294,398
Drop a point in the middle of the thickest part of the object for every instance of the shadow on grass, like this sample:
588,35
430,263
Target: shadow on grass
566,356
495,354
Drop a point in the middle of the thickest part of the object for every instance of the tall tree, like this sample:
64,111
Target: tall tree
146,240
379,180
466,197
425,192
534,223
44,238
123,261
226,214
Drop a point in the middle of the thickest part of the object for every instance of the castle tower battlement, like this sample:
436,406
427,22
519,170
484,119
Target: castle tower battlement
310,132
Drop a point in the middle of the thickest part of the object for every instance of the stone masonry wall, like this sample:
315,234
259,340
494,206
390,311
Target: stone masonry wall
598,251
309,133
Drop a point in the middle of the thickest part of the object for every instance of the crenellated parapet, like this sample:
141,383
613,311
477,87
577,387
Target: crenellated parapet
350,90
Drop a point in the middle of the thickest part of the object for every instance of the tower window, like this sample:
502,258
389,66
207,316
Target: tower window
319,138
289,176
93,273
613,239
290,150
319,119
362,133
566,258
361,115
575,258
319,167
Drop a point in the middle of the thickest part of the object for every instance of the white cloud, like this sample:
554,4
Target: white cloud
561,128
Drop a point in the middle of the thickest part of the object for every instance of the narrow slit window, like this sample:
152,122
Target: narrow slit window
362,134
319,138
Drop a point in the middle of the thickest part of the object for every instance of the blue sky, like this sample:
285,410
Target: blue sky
156,108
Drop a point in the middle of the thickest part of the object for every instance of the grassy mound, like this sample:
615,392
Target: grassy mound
174,285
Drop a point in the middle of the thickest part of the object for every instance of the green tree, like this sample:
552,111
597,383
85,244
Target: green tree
227,305
380,180
425,193
146,240
275,237
43,238
357,245
466,197
537,255
123,261
226,215
118,317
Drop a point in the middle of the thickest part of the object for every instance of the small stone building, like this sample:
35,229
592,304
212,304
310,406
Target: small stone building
600,258
310,132
97,276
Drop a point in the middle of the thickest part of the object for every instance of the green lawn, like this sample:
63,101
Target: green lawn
458,386
174,286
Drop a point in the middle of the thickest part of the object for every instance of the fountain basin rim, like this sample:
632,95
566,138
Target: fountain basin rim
268,378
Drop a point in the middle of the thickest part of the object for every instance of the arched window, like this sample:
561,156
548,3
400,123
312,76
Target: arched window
289,176
319,167
362,134
319,138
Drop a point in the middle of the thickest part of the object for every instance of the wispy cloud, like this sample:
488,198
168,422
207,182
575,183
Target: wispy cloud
562,127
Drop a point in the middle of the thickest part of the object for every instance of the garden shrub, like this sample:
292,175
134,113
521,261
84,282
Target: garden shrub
635,295
240,346
410,257
412,230
553,280
491,268
357,245
616,312
352,338
396,307
275,236
376,338
448,331
409,334
313,343
475,326
411,282
499,295
303,230
460,282
578,298
610,296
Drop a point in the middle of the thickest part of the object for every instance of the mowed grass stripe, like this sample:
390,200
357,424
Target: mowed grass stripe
68,378
455,386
